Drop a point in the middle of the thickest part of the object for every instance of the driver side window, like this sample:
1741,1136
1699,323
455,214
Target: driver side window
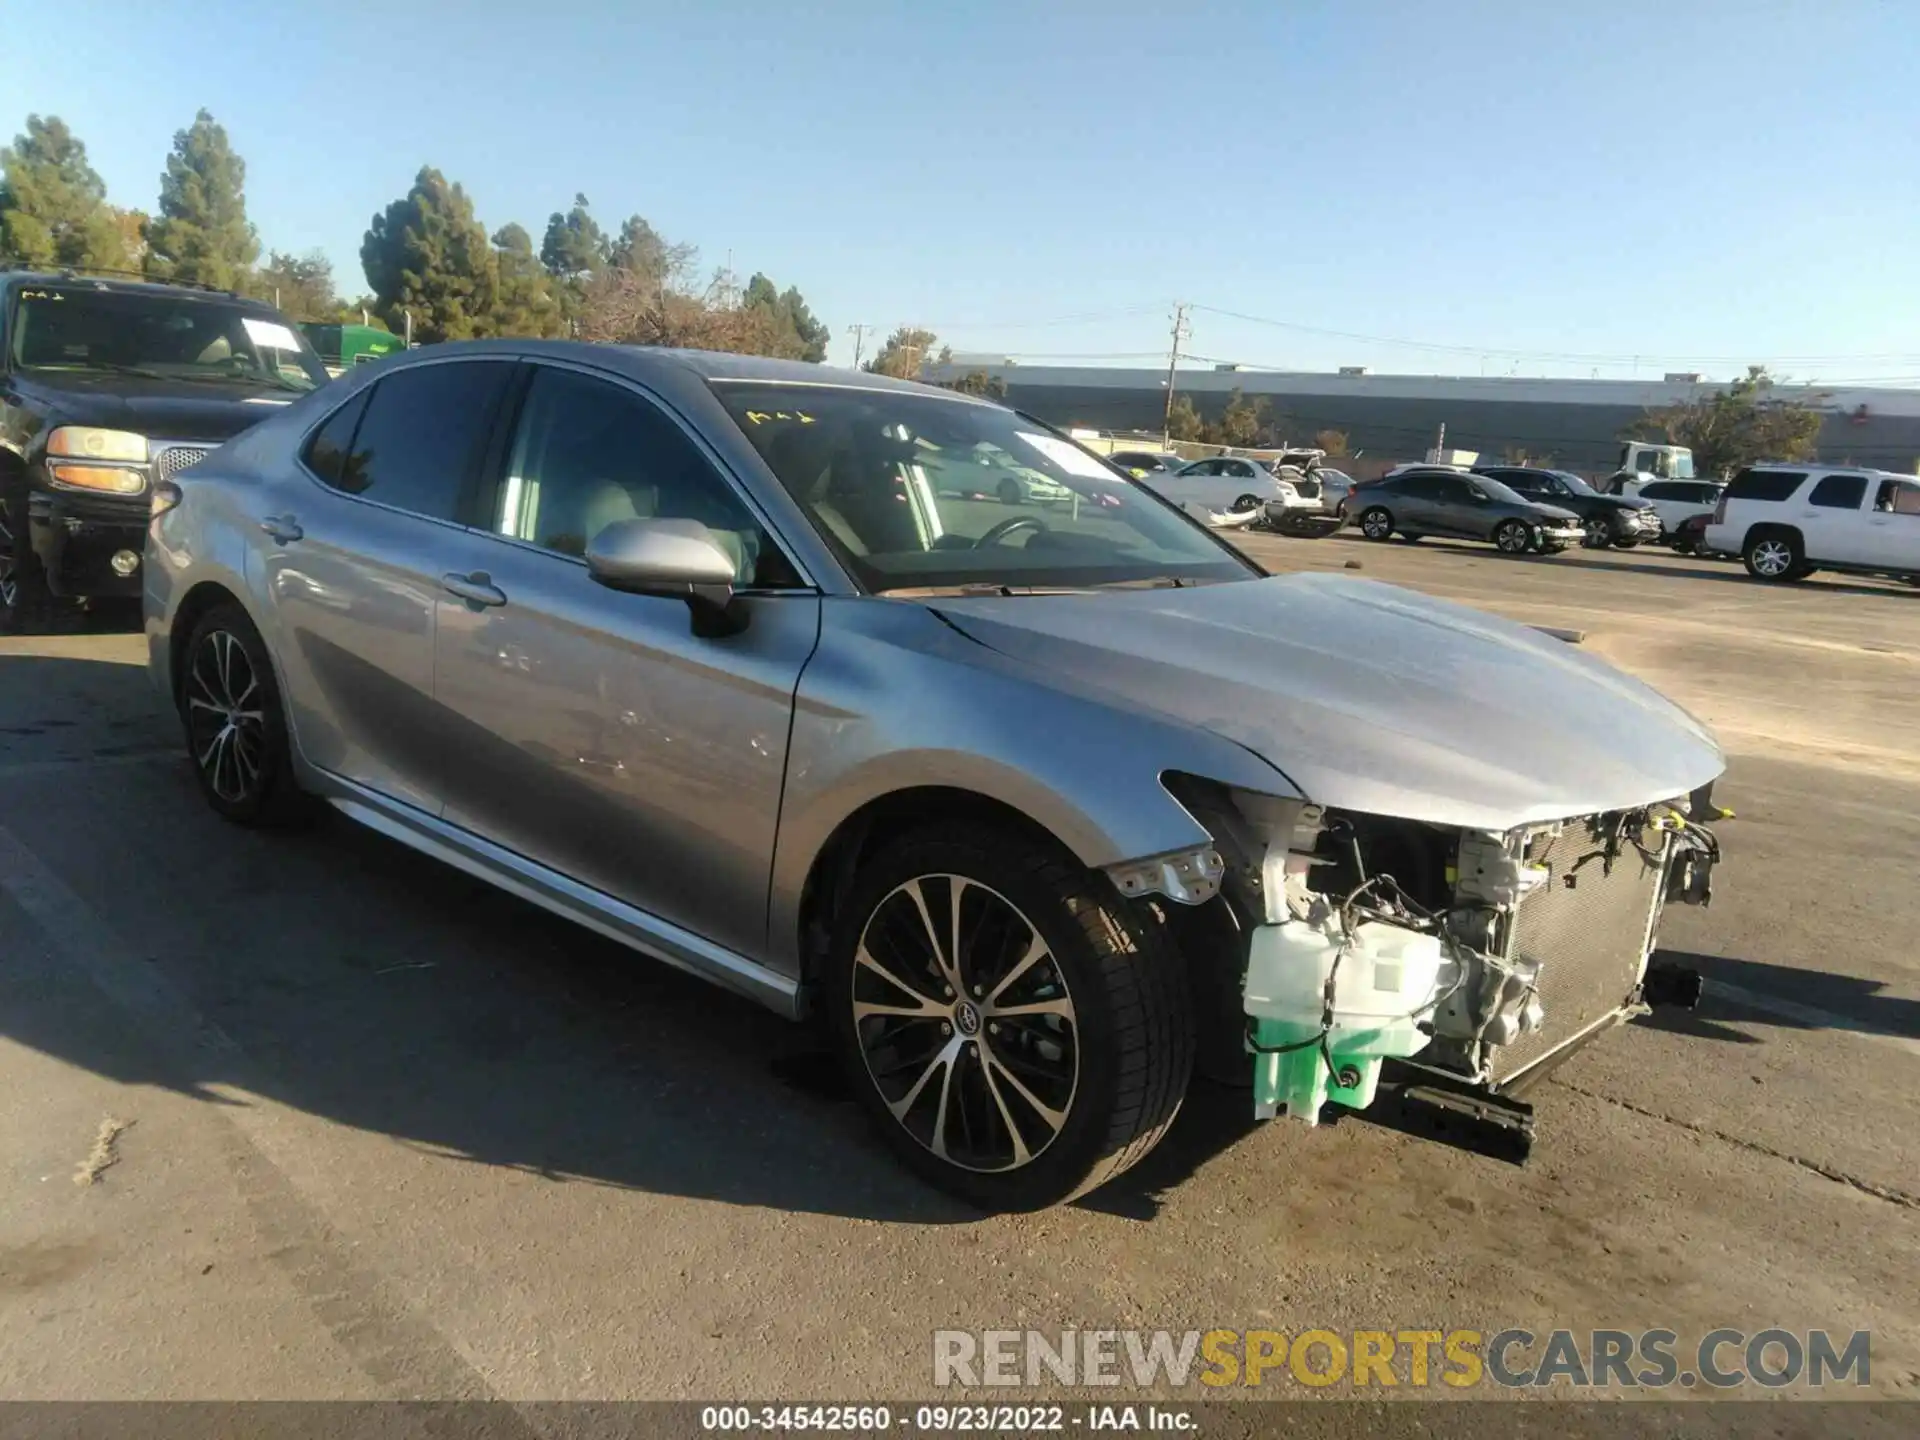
586,453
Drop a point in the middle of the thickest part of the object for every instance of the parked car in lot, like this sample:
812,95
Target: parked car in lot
1028,807
1786,521
1142,463
1233,484
1675,501
989,470
1420,502
107,386
1606,519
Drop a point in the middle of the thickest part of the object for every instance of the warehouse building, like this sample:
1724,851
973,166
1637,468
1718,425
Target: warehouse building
1576,424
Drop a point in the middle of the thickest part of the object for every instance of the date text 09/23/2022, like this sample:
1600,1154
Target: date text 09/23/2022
947,1419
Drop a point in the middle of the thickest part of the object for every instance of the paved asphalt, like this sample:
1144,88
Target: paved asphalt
390,1133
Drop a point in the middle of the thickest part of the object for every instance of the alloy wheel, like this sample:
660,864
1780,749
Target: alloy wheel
965,1023
1772,558
1598,535
225,721
9,570
1376,525
1511,537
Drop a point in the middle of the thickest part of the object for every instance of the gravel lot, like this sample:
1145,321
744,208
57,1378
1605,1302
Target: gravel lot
390,1133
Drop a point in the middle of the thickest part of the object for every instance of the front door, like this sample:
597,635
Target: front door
1893,526
597,735
351,552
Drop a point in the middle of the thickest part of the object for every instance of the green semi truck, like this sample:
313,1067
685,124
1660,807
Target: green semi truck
341,347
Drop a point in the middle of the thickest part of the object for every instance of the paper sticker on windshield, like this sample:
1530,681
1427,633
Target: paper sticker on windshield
270,333
1070,458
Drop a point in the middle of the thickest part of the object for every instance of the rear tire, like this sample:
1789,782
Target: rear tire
1063,1053
1775,556
235,726
1376,523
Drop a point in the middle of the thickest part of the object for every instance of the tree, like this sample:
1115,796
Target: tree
798,336
978,382
1334,442
904,352
201,233
53,205
1183,420
524,303
1736,426
639,248
427,253
301,285
1243,423
574,248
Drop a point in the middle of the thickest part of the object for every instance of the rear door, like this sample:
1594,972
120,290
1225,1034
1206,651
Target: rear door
597,735
351,554
1833,519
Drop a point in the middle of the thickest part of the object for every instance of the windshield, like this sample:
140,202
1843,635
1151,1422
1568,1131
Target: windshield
1680,465
163,337
916,492
1501,491
1574,483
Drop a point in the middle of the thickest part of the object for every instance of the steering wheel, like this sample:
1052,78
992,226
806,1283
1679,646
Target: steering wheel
1006,527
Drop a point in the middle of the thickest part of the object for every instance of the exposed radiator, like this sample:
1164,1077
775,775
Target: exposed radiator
1590,936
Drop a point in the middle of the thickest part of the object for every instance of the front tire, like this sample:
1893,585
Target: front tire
1376,523
1011,492
28,605
1015,1029
1599,533
1513,537
235,726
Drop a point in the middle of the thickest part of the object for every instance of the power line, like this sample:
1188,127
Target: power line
1643,357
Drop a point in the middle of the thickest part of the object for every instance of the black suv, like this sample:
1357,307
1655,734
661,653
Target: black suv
108,387
1607,519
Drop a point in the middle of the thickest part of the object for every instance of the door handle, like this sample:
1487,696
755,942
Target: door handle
476,589
283,528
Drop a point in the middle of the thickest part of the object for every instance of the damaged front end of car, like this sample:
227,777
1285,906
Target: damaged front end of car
1429,972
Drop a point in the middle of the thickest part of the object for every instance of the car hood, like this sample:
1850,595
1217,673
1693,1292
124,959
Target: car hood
158,409
1369,697
1550,512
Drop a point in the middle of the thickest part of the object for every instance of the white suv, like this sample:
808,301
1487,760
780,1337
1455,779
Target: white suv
1786,521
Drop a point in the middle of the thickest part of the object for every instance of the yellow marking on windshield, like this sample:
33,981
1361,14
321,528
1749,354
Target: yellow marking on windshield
761,417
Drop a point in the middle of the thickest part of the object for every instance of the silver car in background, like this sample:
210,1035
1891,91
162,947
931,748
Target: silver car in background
1033,807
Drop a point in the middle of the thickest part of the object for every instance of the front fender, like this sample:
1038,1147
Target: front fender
895,699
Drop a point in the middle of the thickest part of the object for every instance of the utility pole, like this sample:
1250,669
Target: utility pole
1173,361
859,333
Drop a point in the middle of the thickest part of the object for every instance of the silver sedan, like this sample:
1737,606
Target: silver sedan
1034,808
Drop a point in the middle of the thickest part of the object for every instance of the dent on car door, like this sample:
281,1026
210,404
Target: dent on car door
351,549
597,734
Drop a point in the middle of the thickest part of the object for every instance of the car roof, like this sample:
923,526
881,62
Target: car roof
640,361
106,284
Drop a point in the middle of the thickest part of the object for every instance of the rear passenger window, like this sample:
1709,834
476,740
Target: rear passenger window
1840,492
421,435
1765,484
328,449
1659,491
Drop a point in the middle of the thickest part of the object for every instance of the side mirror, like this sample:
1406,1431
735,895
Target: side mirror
679,559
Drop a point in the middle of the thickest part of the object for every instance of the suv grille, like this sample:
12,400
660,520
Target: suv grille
171,460
1590,940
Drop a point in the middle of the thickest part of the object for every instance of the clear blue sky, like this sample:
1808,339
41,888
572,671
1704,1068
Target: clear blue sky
1681,181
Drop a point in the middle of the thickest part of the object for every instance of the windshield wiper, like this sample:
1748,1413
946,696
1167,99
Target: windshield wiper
113,367
980,588
1152,582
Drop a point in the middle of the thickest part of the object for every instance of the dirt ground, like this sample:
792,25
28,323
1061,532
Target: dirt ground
315,1117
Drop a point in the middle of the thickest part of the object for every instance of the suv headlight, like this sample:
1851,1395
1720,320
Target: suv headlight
84,442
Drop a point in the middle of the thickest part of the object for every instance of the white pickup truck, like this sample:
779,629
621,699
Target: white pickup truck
1786,521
